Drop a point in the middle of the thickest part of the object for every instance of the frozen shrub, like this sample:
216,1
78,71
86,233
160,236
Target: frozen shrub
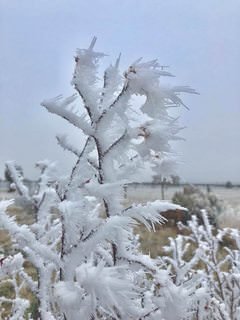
200,261
196,200
82,243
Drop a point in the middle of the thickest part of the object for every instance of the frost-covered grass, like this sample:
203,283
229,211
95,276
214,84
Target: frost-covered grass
7,291
22,218
7,249
155,244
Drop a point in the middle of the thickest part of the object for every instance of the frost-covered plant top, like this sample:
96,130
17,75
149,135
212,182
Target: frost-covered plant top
82,242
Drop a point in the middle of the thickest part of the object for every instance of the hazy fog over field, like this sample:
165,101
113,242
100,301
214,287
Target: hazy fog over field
199,40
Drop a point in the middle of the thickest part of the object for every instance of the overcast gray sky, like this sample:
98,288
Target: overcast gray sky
200,40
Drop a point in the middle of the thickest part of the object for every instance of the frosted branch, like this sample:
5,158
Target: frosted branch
59,107
66,145
85,78
111,83
115,143
117,101
23,235
149,214
17,179
88,147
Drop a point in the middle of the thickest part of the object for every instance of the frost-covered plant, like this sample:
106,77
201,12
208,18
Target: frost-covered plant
39,241
229,217
12,275
196,200
200,262
82,242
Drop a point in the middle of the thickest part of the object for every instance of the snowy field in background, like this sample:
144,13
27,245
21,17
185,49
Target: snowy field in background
7,195
149,192
153,192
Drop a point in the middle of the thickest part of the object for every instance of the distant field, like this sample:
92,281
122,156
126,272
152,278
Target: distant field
6,195
149,192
